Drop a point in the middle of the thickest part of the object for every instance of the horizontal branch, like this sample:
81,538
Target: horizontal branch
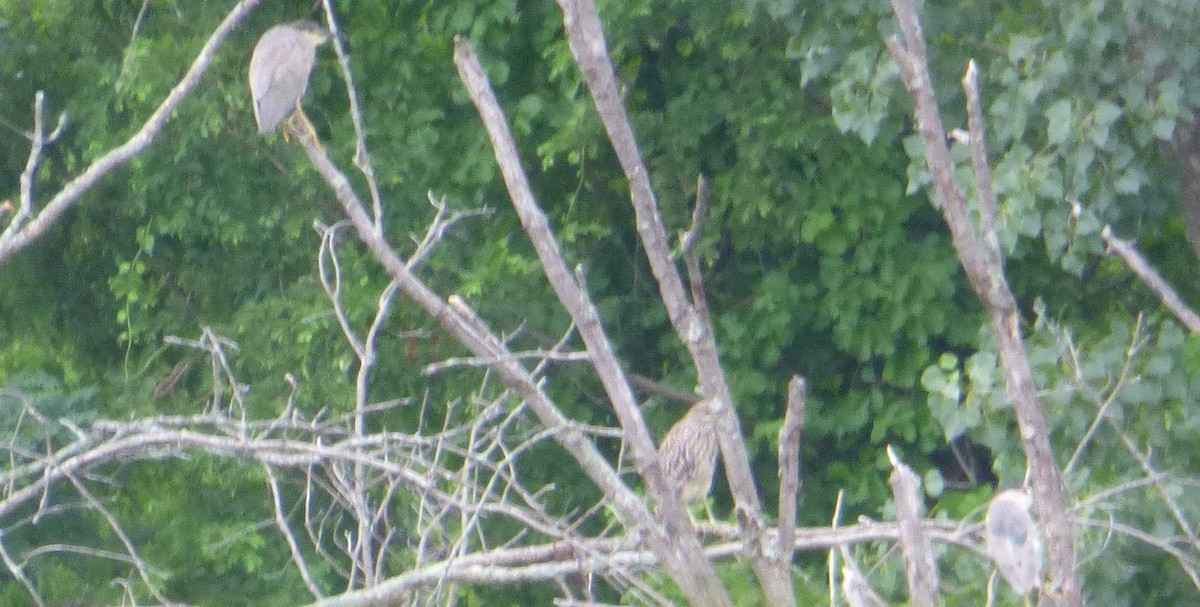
549,562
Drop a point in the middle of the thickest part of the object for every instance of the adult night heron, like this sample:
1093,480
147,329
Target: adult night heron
688,453
1013,541
279,69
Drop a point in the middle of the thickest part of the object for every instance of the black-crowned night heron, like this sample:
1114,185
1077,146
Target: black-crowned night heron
1013,540
279,70
688,453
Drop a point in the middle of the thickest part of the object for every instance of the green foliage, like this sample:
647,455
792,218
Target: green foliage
823,256
28,400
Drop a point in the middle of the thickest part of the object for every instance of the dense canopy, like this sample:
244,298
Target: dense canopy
215,278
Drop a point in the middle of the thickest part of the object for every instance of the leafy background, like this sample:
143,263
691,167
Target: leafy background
824,255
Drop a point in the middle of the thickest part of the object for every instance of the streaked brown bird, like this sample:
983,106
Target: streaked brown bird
688,453
1013,541
279,69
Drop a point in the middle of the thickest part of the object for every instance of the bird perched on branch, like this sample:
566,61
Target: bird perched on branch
688,453
1013,540
279,69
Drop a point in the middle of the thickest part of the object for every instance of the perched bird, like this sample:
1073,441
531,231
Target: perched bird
1013,541
279,70
688,453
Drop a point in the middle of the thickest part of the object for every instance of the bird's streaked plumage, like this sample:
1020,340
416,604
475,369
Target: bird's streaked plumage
688,453
1013,540
279,69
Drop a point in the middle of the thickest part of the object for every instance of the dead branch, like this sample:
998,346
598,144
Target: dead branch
362,158
23,230
393,462
919,564
585,35
985,271
1152,279
681,554
38,140
789,465
457,318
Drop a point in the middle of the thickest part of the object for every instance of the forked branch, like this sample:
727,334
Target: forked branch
983,265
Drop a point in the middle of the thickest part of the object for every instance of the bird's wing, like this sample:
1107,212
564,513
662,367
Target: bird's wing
279,71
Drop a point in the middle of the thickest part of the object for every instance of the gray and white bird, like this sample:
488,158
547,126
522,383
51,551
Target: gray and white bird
688,453
1013,540
279,69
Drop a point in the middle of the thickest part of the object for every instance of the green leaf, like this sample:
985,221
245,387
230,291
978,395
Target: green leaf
1058,122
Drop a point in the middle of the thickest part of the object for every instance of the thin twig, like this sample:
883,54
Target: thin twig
542,355
362,158
1152,279
688,246
979,162
286,531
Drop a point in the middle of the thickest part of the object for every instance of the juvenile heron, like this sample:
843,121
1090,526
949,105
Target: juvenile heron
279,70
1013,541
688,453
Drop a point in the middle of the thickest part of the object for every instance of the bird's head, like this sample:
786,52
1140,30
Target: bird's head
312,31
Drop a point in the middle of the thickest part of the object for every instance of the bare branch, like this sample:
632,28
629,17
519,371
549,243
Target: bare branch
21,234
38,140
474,334
1136,341
1160,482
789,464
438,227
688,245
1189,564
680,552
586,37
411,461
985,272
362,158
979,161
286,531
1152,279
919,564
543,355
18,572
119,532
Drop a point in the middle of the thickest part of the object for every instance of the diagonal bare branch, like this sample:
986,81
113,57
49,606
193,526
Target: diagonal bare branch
21,234
585,34
681,551
985,272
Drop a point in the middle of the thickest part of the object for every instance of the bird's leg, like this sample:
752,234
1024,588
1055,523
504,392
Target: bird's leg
301,127
292,123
